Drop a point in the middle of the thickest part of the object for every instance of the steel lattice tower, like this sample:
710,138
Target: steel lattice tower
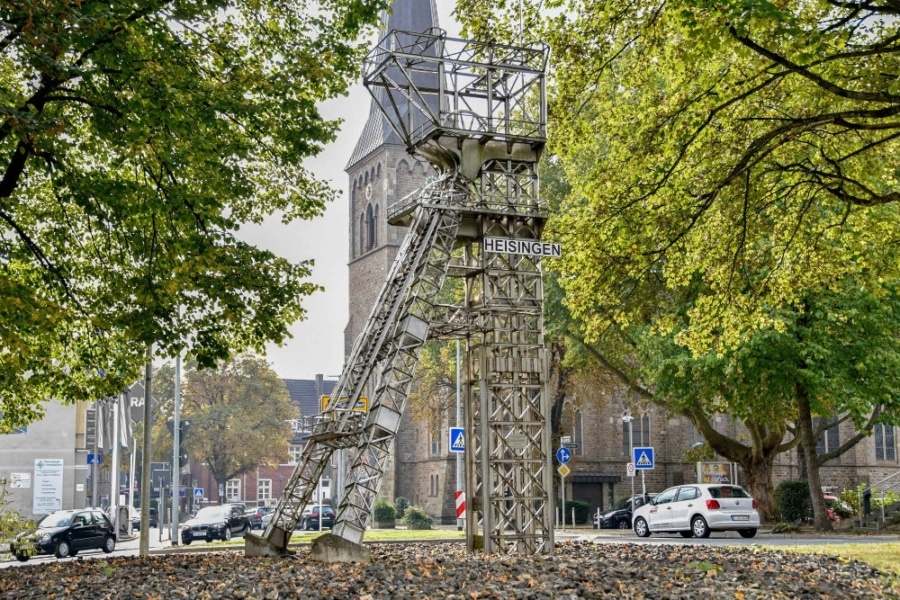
477,112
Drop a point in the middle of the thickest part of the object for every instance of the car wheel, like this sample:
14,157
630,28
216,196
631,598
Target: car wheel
700,527
623,524
641,529
747,533
686,533
63,549
227,535
22,557
186,542
109,544
309,526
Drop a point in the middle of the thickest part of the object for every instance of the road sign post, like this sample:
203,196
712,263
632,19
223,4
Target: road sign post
563,455
643,461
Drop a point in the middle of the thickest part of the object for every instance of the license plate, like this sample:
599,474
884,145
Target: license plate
740,518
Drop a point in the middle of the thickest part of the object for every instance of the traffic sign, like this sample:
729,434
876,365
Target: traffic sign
563,470
643,458
198,492
362,404
629,469
457,439
95,459
571,445
563,455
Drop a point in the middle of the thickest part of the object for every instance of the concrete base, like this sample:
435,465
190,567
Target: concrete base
330,548
255,545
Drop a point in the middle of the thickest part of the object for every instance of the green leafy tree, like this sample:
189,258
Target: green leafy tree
239,416
135,140
733,186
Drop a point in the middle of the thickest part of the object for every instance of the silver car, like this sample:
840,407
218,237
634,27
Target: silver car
697,509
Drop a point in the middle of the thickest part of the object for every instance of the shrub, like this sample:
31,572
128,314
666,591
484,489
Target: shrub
582,511
415,518
384,511
12,524
793,501
401,504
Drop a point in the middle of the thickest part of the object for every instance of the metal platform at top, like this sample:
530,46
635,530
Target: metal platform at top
439,93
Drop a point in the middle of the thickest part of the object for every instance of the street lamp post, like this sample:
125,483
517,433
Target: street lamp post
630,420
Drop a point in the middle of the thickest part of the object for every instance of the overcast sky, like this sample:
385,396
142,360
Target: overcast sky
318,342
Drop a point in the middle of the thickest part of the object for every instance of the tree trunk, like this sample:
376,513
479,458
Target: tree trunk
821,522
758,476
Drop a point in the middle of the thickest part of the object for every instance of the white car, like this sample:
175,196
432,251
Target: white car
697,509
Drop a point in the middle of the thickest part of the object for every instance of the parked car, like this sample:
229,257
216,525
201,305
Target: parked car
619,516
66,533
697,509
310,519
256,517
136,518
215,523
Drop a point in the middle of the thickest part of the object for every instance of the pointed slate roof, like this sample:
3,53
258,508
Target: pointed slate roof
306,393
407,15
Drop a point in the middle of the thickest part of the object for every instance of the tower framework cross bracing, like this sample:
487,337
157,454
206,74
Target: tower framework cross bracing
477,112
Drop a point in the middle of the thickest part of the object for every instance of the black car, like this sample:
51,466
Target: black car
215,523
66,533
619,516
310,519
136,518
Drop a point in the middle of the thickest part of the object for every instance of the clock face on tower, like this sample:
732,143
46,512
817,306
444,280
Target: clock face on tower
368,191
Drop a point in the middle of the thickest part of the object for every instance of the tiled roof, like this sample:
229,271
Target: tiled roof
407,15
305,393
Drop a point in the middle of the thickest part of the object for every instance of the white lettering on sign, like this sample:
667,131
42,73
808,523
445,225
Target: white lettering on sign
137,402
530,247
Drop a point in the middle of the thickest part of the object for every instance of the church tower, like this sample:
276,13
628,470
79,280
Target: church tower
381,173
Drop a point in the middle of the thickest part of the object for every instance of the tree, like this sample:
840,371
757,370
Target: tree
135,140
732,185
239,416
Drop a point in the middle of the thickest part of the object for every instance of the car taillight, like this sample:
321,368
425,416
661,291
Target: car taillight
712,504
753,504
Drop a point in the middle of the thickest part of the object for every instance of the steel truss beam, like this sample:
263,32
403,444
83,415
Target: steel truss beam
477,112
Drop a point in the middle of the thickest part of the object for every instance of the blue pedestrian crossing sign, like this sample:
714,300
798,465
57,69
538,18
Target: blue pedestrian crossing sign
643,458
563,455
457,439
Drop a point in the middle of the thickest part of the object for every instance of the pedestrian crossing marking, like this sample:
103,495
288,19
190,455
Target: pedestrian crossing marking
460,443
644,460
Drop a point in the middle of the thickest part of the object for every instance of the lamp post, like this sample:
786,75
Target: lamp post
630,420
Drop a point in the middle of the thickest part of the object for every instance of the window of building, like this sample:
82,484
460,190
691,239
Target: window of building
233,490
641,434
435,442
263,490
885,448
296,452
830,438
578,434
362,234
370,227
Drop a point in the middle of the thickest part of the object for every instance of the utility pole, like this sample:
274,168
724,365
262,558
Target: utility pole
176,455
145,459
630,420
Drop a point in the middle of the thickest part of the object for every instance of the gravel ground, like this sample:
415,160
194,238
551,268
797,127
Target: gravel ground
445,570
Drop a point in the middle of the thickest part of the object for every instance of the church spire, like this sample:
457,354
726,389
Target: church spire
405,15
